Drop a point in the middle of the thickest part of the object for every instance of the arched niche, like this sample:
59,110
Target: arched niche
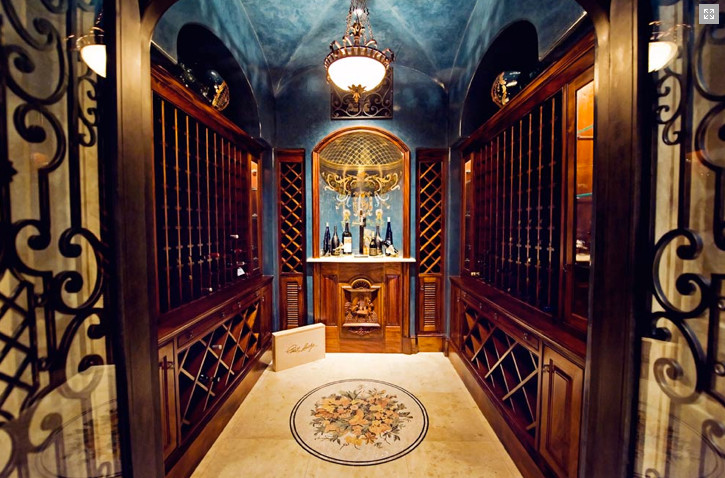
357,155
201,50
515,48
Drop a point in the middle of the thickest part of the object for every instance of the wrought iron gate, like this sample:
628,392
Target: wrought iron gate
681,427
58,413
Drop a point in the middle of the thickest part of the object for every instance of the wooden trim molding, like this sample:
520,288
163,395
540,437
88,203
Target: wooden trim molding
167,86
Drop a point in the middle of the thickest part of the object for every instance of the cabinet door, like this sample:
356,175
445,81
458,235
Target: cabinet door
168,398
560,413
292,301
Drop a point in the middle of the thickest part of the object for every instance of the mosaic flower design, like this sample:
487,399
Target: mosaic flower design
359,417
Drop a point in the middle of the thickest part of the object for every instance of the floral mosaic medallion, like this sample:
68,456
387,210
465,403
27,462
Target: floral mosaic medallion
359,422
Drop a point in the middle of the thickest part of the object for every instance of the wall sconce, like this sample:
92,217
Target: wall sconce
93,50
661,52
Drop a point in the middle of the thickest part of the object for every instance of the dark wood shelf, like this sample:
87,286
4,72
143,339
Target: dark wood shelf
526,317
185,318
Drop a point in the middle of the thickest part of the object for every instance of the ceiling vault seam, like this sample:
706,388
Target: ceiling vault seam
460,43
401,22
259,43
310,33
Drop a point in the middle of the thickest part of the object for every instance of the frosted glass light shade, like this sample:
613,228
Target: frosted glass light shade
356,70
660,54
94,55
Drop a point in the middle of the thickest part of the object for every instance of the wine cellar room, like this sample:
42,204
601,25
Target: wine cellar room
405,238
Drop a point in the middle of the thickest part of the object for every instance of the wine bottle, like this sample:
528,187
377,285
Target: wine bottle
326,240
388,246
362,234
335,243
374,251
347,240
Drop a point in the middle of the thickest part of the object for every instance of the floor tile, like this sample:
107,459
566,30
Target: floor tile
257,442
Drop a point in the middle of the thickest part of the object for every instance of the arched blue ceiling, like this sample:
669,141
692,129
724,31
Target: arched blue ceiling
424,34
277,42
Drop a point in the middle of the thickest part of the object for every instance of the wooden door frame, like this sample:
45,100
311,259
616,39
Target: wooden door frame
621,228
620,235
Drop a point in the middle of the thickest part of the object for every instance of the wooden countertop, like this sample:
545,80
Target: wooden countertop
175,321
526,317
352,259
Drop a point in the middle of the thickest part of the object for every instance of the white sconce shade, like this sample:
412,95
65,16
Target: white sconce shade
661,53
93,51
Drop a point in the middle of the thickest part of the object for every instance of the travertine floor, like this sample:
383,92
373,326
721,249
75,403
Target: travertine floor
257,442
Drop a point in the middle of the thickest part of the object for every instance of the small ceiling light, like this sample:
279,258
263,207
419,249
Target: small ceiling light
661,52
357,65
93,50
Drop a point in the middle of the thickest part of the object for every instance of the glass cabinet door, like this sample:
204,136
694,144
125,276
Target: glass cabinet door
581,162
467,265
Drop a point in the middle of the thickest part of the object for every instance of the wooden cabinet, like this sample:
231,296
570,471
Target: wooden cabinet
207,198
167,380
527,196
364,304
213,305
519,317
292,231
531,371
203,359
561,392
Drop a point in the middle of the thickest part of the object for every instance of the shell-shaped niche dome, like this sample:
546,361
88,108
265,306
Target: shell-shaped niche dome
361,149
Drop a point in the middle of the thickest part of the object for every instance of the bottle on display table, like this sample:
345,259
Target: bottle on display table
362,234
388,246
326,240
335,243
374,250
347,240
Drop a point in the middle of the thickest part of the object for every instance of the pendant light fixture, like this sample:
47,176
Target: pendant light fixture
357,65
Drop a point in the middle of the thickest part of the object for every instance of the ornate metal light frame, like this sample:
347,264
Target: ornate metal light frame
358,42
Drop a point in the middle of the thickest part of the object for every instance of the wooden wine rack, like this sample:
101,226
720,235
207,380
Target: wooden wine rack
202,198
516,214
506,360
214,306
291,201
431,203
211,364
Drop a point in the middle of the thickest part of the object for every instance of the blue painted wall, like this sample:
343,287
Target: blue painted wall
303,120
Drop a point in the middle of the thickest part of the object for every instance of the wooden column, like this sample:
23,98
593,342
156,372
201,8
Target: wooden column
431,180
291,214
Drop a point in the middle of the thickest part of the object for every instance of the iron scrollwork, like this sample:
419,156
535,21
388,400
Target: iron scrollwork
54,344
694,138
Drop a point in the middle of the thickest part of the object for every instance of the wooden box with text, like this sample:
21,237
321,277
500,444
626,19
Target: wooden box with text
298,346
